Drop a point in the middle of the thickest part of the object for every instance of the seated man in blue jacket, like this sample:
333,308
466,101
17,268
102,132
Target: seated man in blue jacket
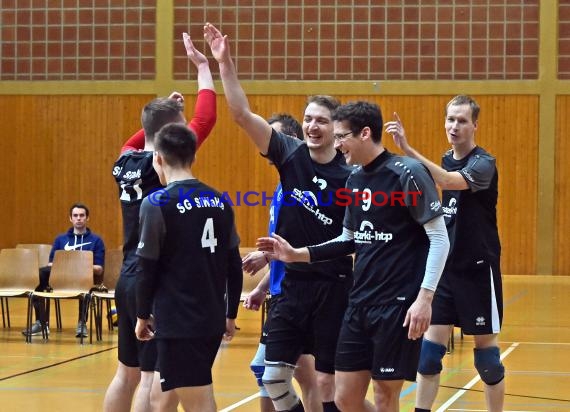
78,237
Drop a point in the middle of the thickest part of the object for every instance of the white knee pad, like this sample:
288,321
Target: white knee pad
277,381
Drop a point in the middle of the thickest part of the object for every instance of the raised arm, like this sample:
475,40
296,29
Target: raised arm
204,117
254,125
444,179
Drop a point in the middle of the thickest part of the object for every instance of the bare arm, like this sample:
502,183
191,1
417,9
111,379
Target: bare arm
282,250
254,125
205,80
444,179
255,298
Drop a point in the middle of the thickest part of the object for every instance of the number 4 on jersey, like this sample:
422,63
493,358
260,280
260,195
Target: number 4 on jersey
208,239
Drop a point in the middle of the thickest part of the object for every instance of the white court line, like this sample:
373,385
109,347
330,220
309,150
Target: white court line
240,403
472,382
441,409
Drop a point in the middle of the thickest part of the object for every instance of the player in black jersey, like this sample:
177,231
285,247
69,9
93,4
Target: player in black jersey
306,317
254,261
135,179
394,224
470,291
188,258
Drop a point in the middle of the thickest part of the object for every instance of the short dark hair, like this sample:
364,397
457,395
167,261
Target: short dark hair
289,125
463,99
157,113
177,144
78,206
359,115
324,100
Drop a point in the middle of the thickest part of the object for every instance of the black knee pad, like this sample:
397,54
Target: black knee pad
488,364
430,358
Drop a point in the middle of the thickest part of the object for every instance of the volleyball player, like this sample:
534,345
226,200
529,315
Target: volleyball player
189,264
135,179
394,224
304,372
306,317
470,294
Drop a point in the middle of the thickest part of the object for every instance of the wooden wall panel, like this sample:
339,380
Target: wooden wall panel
513,143
562,188
59,149
514,146
230,162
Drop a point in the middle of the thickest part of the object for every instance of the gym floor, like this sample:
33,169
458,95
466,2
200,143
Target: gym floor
61,374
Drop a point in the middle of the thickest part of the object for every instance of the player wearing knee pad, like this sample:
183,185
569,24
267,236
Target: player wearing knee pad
488,364
430,358
277,380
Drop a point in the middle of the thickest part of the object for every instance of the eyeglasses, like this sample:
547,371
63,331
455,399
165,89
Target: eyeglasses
341,136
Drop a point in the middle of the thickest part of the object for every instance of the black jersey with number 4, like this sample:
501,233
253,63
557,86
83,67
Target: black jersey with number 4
190,237
309,213
471,214
135,179
392,198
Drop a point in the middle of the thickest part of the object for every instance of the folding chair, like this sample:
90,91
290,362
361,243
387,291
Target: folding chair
43,250
71,278
18,276
113,264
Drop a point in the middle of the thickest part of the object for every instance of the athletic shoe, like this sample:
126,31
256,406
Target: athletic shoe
36,329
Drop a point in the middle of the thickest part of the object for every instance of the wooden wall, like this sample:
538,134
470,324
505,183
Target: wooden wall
562,188
60,149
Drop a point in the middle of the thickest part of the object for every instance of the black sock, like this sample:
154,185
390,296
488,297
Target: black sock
330,407
422,410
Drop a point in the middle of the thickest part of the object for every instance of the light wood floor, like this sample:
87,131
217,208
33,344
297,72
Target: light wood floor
62,375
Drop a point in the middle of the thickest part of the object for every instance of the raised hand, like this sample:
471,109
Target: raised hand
396,129
177,96
192,52
218,43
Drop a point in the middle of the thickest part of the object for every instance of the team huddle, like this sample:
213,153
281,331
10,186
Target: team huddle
361,290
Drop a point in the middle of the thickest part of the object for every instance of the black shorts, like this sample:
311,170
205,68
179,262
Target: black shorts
471,299
132,352
306,318
186,362
268,304
264,329
372,338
